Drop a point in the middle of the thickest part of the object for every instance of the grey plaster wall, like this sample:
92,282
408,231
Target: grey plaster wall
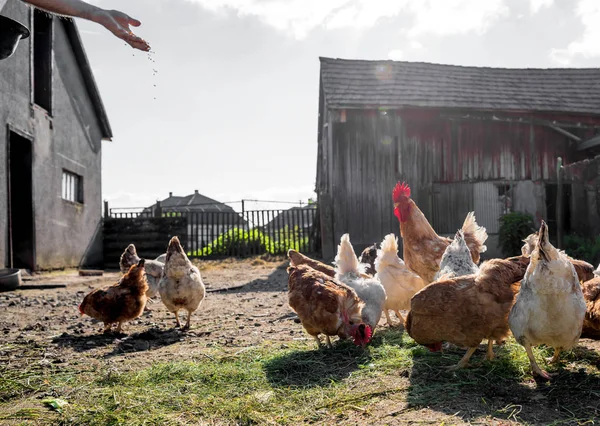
66,234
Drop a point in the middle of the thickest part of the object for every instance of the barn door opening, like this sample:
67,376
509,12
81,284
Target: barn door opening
21,232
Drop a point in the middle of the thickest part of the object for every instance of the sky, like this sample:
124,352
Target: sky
227,103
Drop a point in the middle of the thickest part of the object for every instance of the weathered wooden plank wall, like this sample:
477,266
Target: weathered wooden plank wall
584,177
150,235
366,152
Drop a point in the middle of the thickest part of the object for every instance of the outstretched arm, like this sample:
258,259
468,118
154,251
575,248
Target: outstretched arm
115,21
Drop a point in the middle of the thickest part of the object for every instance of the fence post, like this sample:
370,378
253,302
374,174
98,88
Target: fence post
106,210
560,226
158,209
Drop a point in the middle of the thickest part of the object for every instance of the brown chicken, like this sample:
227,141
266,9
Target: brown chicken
585,271
591,322
297,259
423,248
326,306
118,303
468,309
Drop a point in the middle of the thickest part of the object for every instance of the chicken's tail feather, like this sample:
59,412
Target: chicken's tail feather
470,226
388,253
346,260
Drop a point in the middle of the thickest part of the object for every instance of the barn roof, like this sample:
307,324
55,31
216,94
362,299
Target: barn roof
366,84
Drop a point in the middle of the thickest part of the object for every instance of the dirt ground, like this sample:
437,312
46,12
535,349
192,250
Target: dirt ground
235,318
47,322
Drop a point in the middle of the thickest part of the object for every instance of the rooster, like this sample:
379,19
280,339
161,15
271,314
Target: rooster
550,307
369,290
423,248
466,310
120,302
585,271
326,306
181,287
456,261
399,282
297,259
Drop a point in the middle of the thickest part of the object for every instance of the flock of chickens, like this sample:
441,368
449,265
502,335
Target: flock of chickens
171,275
542,296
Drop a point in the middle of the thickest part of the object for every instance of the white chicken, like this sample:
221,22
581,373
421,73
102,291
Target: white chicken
550,307
457,260
154,268
399,282
350,272
181,286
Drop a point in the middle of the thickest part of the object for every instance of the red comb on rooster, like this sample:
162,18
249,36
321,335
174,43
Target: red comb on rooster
400,190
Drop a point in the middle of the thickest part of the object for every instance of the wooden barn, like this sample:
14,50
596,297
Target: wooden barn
463,138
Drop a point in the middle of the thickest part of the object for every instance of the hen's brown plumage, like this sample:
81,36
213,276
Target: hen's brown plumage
123,301
297,259
325,305
591,322
468,309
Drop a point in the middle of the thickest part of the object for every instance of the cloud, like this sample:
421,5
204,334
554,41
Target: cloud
396,55
299,17
414,44
536,5
587,45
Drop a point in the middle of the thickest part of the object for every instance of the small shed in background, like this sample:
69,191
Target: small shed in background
463,138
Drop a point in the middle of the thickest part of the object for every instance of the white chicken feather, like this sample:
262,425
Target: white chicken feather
457,260
352,273
550,307
181,287
399,282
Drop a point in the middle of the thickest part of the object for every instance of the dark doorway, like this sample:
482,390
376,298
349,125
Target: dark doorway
551,193
21,231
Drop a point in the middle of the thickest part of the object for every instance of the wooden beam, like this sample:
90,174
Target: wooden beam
564,132
519,120
590,143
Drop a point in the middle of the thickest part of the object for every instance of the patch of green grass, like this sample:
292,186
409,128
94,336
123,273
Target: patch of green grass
296,383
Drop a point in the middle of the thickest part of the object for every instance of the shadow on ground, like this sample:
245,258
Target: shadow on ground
318,367
147,340
501,389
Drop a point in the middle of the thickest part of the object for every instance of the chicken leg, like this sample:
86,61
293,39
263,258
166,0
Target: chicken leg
329,345
555,358
464,361
490,350
388,318
187,323
400,317
534,367
316,337
177,319
118,330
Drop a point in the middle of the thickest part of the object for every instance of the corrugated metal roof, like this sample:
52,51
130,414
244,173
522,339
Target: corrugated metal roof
362,84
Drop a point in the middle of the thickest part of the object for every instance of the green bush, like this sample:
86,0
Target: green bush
237,242
514,227
583,248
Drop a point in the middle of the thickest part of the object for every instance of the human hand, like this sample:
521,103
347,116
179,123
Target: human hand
118,23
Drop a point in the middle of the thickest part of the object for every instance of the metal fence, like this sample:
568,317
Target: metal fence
233,234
